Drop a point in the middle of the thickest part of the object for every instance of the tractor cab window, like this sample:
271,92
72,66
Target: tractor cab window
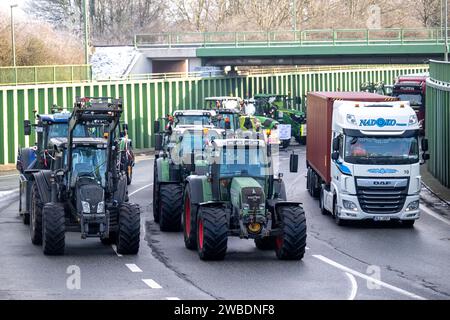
241,161
224,118
61,130
200,120
88,162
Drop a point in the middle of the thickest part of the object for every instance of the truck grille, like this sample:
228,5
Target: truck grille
382,196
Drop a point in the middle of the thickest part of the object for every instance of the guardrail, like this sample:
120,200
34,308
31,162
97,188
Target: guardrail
331,37
44,74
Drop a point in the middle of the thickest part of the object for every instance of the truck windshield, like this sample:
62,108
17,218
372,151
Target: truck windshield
89,162
381,150
251,162
193,120
414,99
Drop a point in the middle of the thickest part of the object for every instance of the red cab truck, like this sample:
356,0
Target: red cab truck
363,156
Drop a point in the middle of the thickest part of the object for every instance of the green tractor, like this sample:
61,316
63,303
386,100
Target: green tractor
178,149
238,195
287,111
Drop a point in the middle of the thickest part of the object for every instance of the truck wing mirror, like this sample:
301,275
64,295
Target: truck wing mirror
336,144
293,163
426,156
335,156
27,127
424,145
156,126
158,142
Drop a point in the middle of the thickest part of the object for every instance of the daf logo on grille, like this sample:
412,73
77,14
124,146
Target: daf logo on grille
381,183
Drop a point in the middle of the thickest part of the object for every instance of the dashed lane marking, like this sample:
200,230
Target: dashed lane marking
140,189
354,286
133,267
115,250
363,276
152,283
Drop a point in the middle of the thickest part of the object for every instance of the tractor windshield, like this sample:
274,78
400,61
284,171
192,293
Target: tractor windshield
241,161
61,130
89,162
193,120
224,118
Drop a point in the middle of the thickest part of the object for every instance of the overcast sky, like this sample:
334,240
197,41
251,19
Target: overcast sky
4,5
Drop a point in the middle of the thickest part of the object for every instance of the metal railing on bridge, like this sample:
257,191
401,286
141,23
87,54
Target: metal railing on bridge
332,37
44,74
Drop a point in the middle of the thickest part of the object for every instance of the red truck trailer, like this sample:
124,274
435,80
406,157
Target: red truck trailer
319,124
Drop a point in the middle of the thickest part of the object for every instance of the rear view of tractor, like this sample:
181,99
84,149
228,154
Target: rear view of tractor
84,190
239,196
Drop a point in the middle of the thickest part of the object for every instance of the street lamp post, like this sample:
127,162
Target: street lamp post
294,15
86,36
13,38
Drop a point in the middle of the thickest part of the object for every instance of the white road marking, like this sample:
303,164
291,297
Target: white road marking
140,189
9,176
172,298
354,286
366,277
115,250
434,214
133,267
152,283
307,248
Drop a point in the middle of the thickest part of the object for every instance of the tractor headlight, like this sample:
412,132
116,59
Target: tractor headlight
350,205
262,206
101,207
413,206
86,207
245,206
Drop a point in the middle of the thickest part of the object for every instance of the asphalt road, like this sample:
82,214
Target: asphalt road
360,261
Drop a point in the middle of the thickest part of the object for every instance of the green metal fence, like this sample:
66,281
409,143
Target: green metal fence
147,100
437,124
44,74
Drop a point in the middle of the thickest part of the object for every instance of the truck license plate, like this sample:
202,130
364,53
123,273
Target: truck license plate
382,218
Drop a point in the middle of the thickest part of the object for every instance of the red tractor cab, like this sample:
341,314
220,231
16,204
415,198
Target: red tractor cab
412,88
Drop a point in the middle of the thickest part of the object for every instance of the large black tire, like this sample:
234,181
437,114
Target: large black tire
129,233
170,207
189,220
267,243
321,204
53,229
291,244
212,233
35,216
311,184
155,194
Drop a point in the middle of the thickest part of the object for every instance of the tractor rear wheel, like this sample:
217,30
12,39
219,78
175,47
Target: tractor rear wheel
53,229
212,233
266,243
129,229
170,207
291,244
35,216
155,194
189,221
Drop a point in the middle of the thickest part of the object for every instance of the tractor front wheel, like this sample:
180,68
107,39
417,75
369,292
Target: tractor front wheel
53,229
189,221
291,243
170,207
155,194
129,229
212,233
35,216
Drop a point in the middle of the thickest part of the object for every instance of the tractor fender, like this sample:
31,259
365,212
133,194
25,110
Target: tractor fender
163,169
196,184
42,180
26,159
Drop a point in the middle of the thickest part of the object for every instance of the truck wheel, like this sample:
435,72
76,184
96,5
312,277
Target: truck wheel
313,190
53,229
36,216
266,243
129,229
322,204
290,245
408,223
285,143
337,219
171,207
212,233
155,194
189,221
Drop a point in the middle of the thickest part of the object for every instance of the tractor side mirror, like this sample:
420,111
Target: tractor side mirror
158,142
336,144
156,126
335,156
27,127
424,145
293,163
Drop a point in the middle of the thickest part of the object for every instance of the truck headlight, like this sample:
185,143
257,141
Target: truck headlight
351,119
86,207
101,207
413,206
413,120
349,205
